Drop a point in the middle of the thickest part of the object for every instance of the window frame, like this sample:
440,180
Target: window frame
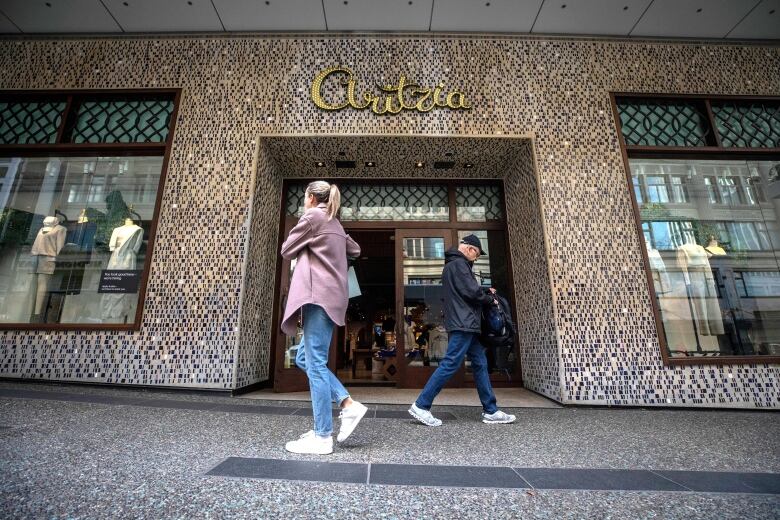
717,152
65,149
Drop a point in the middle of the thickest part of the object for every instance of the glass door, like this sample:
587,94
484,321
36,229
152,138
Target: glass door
420,336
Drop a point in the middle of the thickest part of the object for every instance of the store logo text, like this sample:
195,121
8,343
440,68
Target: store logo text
394,98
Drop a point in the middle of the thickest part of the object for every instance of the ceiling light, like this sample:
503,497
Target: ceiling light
698,10
419,164
370,164
319,164
468,165
563,6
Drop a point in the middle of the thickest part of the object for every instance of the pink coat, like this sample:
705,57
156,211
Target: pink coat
320,275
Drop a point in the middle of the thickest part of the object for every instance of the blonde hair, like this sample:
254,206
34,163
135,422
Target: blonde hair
327,193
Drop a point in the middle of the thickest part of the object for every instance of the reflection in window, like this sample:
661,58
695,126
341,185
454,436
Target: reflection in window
478,203
713,248
381,202
73,237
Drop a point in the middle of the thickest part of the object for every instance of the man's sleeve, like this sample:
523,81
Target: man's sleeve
467,286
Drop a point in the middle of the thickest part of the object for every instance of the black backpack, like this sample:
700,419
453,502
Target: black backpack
497,327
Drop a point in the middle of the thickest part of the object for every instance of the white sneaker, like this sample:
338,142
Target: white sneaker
498,417
309,443
424,416
350,417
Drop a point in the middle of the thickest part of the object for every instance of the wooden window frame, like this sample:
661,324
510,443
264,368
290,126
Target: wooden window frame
65,149
717,152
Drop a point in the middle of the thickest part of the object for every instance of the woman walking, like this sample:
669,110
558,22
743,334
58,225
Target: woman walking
319,291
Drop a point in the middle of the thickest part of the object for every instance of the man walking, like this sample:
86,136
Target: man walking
463,301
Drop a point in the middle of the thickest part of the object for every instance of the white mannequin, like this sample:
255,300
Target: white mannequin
695,266
48,243
657,265
124,245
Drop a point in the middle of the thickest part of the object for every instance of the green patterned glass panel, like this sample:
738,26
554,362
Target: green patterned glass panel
478,203
382,202
122,121
648,122
30,122
748,124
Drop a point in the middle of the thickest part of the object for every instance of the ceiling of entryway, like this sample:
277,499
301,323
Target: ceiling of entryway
718,19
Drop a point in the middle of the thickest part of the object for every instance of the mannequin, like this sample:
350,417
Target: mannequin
695,266
658,267
124,245
48,244
713,248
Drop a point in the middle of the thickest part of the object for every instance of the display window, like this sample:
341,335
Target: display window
80,184
704,176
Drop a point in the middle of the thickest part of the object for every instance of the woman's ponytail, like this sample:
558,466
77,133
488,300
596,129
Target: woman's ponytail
328,194
334,201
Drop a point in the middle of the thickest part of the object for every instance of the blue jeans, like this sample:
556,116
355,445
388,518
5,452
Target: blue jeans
460,345
313,358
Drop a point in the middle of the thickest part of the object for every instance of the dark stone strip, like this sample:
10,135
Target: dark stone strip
499,477
450,476
726,482
597,479
291,470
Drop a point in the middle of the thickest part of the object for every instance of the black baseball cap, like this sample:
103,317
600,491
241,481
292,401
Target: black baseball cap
472,240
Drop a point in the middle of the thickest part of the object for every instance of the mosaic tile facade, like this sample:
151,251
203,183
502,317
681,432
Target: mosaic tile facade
238,88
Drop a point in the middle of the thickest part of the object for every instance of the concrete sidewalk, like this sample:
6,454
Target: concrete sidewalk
71,451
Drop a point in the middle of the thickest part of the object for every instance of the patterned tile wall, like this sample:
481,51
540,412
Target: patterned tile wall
236,88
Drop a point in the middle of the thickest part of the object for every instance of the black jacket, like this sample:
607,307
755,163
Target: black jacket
463,296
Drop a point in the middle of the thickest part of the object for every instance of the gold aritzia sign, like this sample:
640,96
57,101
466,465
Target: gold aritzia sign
393,99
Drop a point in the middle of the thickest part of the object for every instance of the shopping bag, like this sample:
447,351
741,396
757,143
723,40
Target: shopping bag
352,283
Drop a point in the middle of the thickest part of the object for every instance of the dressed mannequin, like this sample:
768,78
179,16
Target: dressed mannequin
410,340
695,266
48,244
713,248
658,267
124,245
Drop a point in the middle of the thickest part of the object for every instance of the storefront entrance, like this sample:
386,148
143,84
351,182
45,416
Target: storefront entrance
394,333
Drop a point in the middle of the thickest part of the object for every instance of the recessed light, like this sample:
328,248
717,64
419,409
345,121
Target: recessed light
125,4
468,165
267,2
487,4
625,8
563,6
772,11
370,164
319,164
189,3
698,10
419,164
48,4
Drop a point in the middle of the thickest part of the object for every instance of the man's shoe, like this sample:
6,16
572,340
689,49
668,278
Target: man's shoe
424,416
498,417
310,444
350,417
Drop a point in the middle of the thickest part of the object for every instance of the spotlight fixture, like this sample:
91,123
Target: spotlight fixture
468,165
319,164
370,164
419,164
